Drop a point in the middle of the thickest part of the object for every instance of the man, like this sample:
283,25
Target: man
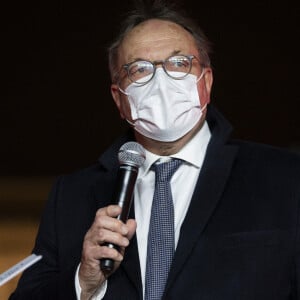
235,203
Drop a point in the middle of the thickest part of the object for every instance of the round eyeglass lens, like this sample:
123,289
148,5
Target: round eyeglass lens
179,65
139,71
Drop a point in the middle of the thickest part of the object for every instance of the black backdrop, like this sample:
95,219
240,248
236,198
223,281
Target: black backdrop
56,112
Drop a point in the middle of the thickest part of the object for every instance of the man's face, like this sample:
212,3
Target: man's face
156,40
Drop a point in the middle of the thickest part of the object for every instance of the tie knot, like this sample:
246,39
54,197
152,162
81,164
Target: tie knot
164,171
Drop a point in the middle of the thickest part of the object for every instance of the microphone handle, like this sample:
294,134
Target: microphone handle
126,179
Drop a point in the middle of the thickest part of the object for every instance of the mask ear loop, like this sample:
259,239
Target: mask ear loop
204,106
126,94
201,76
130,123
122,91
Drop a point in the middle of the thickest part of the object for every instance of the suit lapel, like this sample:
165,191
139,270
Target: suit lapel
211,182
131,265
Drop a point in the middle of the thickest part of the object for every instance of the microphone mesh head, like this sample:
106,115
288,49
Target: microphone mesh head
132,153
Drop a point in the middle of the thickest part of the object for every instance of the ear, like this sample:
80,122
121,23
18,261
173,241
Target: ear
205,85
117,98
208,81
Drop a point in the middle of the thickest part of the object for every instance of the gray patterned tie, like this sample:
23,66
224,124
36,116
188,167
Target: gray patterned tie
161,244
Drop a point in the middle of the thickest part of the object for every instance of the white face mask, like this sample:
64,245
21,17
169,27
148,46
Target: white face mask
165,109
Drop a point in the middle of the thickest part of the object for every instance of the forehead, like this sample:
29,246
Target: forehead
155,40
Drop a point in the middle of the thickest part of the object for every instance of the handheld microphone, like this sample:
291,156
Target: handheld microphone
131,156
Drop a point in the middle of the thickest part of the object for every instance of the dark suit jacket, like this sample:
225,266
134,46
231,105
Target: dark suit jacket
239,240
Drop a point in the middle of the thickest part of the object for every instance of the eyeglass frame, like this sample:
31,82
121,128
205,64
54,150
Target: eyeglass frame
154,64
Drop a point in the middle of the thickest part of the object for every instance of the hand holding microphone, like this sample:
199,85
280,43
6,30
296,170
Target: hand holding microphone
106,233
131,156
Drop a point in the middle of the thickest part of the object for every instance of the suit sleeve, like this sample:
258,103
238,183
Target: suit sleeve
46,279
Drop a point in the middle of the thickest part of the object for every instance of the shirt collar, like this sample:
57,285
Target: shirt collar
192,153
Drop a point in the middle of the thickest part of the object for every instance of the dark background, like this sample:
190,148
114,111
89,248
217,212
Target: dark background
56,112
57,115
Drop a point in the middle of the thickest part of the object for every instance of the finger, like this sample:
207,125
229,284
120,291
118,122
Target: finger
131,226
110,210
91,254
109,223
106,236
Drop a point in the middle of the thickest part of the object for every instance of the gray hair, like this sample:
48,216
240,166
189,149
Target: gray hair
158,10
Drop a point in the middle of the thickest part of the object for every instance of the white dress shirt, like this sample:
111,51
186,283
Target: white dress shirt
182,184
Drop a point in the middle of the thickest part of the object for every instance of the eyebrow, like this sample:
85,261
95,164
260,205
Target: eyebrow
175,52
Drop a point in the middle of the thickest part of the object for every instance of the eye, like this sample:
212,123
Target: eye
177,63
139,69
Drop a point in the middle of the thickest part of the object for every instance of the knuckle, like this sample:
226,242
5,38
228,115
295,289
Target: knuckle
99,213
101,235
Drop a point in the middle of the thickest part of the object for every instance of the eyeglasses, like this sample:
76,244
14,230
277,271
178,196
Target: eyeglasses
176,66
